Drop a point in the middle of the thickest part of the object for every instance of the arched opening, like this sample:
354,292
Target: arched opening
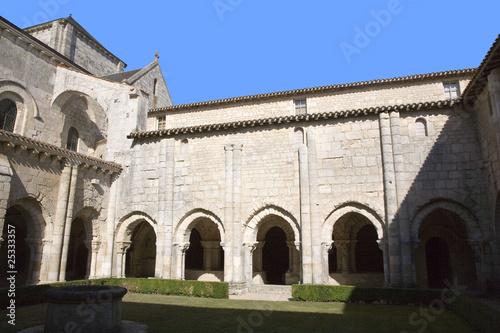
443,252
8,113
421,127
276,260
15,233
359,260
72,143
141,256
204,259
194,255
77,265
437,257
275,256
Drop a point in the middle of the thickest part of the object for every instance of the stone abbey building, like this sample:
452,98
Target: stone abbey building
392,182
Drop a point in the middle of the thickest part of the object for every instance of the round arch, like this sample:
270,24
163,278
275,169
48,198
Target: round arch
184,226
251,228
470,221
26,105
352,207
127,224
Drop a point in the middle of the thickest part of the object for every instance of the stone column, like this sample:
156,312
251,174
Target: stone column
257,263
68,221
238,262
122,248
305,217
402,186
95,246
59,223
249,250
315,222
45,257
35,260
5,180
181,249
352,255
382,244
210,254
107,265
343,255
228,215
325,246
390,198
478,261
166,208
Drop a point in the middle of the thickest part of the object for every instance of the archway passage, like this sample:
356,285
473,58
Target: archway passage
437,257
77,265
16,225
194,255
276,259
444,254
141,256
359,261
204,259
275,256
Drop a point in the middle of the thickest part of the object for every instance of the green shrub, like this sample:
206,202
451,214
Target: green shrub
320,293
477,313
29,295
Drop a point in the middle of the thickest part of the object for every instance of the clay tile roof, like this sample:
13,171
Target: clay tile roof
42,147
314,90
293,119
479,81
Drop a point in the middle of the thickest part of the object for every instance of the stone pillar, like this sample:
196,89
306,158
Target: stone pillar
249,250
122,248
343,262
45,257
228,215
68,221
305,217
352,255
403,218
257,263
210,254
325,246
107,265
238,262
390,198
35,260
315,222
94,246
478,261
59,223
5,179
180,256
166,208
382,244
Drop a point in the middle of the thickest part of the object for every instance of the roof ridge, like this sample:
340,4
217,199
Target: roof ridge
316,89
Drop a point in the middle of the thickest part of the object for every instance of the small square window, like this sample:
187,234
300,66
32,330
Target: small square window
162,122
300,106
451,91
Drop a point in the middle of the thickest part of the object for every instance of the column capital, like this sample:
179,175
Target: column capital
327,245
182,246
228,147
123,247
251,246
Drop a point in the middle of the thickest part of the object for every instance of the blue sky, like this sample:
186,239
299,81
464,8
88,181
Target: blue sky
211,49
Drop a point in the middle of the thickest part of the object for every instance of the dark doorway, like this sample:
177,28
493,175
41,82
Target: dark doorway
369,257
332,258
141,257
77,263
15,226
275,256
194,254
437,256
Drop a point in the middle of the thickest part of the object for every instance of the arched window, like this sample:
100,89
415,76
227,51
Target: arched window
420,127
72,142
8,112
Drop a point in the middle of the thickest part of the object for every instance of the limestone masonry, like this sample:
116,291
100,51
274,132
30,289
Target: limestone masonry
392,182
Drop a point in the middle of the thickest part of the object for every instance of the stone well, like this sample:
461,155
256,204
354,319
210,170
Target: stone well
84,309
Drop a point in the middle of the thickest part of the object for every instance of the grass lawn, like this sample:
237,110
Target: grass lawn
185,314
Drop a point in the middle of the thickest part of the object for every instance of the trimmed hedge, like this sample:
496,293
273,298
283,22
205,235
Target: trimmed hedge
29,295
321,293
479,314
